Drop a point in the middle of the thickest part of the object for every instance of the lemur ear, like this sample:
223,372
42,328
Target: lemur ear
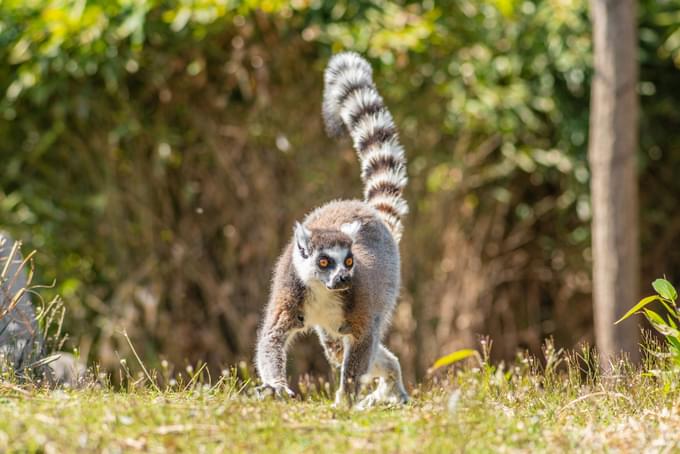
302,235
351,229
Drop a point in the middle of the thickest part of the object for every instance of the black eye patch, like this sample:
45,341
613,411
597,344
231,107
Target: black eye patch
325,262
349,261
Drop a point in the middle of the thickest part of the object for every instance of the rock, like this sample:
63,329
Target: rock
22,348
20,341
68,371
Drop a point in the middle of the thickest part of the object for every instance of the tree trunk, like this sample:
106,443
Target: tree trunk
612,147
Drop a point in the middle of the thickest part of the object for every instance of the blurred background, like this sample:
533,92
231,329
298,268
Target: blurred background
156,155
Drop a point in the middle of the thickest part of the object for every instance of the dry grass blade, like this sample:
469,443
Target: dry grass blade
45,361
595,394
11,282
10,257
14,388
152,382
177,428
195,376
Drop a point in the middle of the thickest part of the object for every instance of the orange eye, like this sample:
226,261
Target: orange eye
323,263
349,262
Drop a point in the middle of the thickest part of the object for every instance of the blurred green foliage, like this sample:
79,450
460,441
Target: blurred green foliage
122,122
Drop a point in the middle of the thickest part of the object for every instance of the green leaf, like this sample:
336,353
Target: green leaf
674,344
452,358
660,324
672,311
643,302
654,317
665,289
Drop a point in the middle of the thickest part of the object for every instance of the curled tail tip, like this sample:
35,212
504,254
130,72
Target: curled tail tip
346,60
343,69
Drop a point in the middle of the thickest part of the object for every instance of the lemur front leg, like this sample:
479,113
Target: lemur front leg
279,329
356,363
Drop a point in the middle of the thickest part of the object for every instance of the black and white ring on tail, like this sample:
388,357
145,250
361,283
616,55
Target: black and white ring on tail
340,272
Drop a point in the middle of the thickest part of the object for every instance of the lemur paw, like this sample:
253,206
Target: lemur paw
342,399
274,390
377,398
368,402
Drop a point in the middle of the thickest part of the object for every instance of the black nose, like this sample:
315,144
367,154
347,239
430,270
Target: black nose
341,282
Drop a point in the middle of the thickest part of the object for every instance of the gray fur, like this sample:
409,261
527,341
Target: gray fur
348,306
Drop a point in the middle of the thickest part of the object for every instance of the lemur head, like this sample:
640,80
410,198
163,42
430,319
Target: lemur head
325,255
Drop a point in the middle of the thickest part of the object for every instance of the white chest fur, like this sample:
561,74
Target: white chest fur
323,308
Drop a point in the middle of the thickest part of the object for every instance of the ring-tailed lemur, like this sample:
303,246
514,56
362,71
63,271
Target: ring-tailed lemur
340,273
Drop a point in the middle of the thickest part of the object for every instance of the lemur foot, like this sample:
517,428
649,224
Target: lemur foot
339,399
380,398
343,399
276,390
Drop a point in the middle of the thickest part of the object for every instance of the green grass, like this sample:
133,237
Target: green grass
563,405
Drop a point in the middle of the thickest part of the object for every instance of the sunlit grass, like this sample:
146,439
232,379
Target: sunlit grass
557,403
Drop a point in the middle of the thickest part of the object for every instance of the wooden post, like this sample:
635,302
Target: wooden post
612,150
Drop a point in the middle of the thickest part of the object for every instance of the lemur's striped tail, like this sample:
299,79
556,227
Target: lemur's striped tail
352,103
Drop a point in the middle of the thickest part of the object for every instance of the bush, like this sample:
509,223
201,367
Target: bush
158,153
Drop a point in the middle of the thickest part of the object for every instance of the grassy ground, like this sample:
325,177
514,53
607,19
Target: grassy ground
561,405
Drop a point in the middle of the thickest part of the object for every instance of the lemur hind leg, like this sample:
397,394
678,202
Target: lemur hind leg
390,388
358,357
333,347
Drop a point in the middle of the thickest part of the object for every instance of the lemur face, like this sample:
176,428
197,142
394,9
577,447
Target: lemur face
325,256
334,267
